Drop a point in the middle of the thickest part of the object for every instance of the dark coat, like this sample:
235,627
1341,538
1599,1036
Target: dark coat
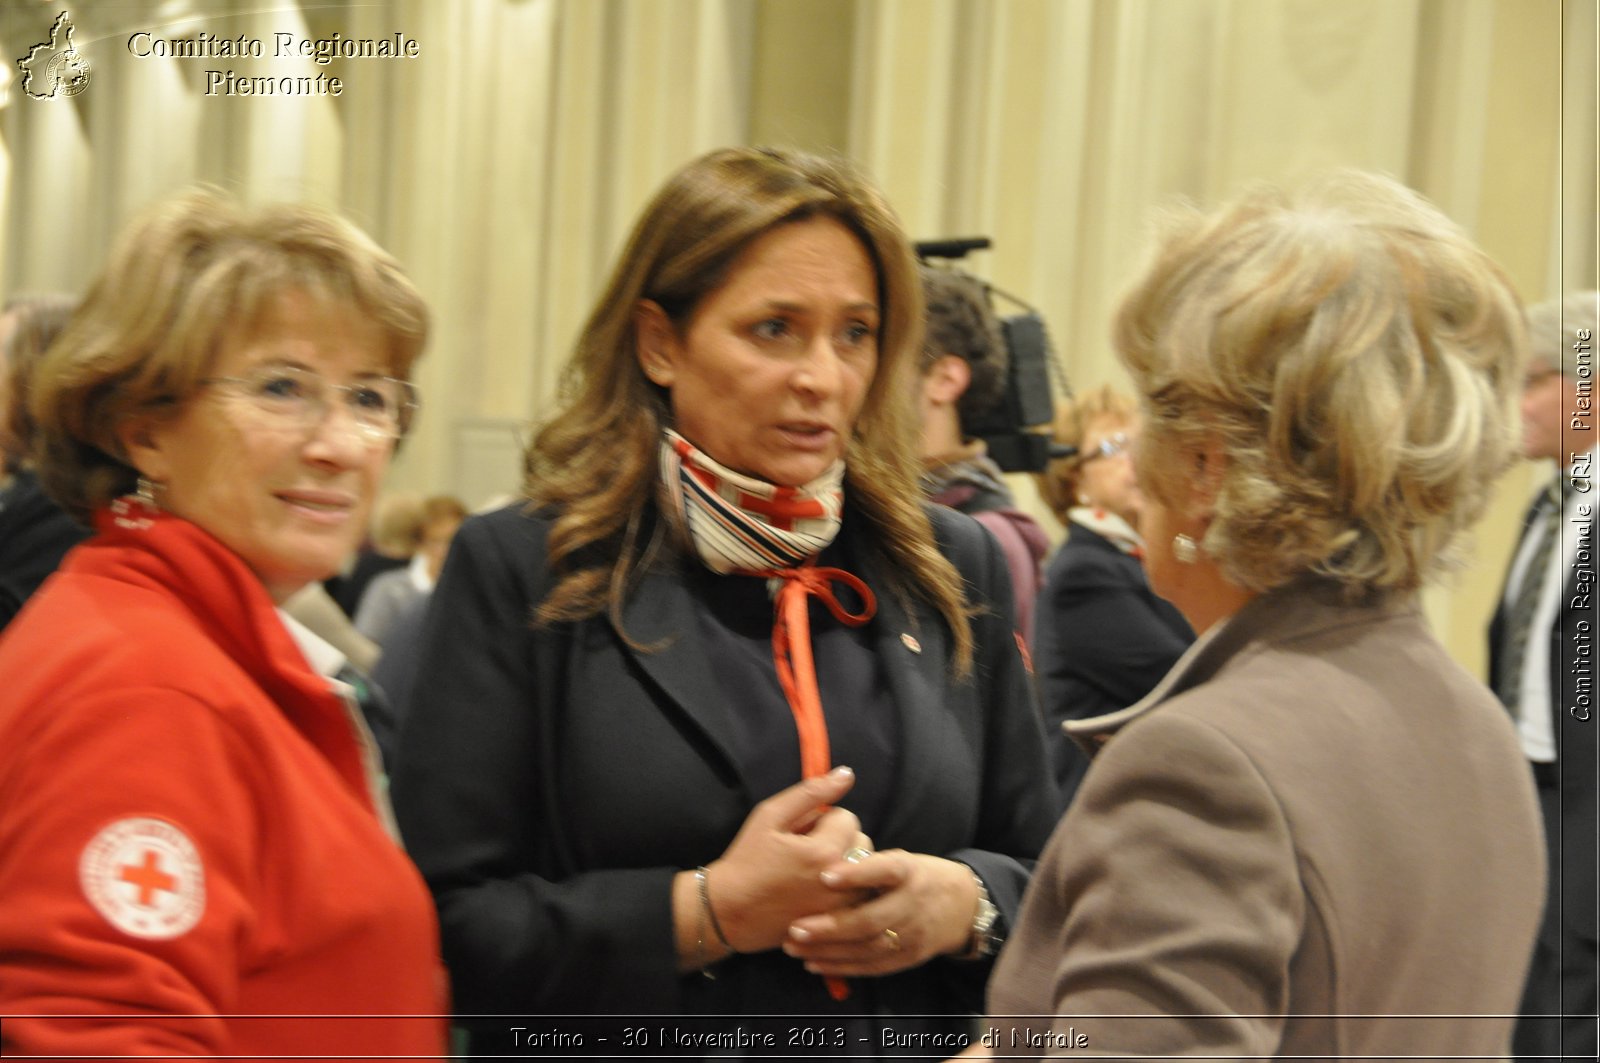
552,781
35,534
1568,936
1102,640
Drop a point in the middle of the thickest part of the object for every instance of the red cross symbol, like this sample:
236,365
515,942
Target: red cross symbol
148,877
783,509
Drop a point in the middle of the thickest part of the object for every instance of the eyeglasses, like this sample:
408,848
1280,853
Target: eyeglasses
1109,447
381,408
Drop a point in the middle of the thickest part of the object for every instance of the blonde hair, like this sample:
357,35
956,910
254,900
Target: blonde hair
437,510
185,276
397,524
595,463
1058,484
1354,357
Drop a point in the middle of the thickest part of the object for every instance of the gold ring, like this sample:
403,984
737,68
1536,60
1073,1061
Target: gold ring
855,854
894,940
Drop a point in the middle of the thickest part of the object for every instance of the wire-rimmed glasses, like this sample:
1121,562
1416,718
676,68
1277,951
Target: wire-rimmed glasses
1109,447
381,408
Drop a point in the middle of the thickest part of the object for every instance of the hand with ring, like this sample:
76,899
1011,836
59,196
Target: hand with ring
916,907
769,875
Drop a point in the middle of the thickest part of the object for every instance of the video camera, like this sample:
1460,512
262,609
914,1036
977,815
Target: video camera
1011,429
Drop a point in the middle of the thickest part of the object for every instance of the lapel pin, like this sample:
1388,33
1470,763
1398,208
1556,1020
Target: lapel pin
911,642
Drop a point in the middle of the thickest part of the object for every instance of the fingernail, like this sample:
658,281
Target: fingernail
830,878
799,933
843,771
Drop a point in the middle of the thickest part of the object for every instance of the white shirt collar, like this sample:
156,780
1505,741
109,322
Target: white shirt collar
418,571
319,652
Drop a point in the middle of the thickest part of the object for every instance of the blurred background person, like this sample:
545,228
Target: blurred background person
194,838
1317,835
963,377
35,533
615,765
396,667
1102,638
392,594
396,534
1536,668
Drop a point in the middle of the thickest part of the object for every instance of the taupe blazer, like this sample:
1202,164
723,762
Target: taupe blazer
1316,836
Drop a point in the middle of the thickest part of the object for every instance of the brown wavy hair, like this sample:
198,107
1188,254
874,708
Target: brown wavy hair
30,323
594,465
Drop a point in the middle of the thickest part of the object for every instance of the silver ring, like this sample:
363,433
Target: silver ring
894,940
855,854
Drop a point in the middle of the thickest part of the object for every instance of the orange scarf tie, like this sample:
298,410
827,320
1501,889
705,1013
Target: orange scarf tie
797,669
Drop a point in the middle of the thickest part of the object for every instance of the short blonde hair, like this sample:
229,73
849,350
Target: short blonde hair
397,524
440,509
185,275
1058,484
1356,359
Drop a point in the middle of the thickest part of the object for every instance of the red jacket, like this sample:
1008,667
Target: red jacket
188,830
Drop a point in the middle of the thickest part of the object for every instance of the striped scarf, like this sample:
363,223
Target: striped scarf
747,526
741,524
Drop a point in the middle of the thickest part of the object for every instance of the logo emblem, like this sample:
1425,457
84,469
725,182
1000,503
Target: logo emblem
144,875
54,66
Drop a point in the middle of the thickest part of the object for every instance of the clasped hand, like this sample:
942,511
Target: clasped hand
800,875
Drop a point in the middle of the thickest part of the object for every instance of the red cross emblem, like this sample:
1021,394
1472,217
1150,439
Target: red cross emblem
149,877
144,876
783,508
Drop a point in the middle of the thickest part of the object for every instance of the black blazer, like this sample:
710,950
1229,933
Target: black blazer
1102,640
1572,840
552,781
35,534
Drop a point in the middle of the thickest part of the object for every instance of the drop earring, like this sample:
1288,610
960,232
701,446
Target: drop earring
1185,549
136,512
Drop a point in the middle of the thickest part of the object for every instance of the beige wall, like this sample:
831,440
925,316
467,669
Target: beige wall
504,164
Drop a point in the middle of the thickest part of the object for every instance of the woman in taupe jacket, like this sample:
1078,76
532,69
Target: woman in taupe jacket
1316,836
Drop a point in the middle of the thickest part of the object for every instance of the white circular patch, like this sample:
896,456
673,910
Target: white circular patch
144,875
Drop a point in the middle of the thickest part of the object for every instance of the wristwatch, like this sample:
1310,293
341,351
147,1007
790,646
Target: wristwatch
984,939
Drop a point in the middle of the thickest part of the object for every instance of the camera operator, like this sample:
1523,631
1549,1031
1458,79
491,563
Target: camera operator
963,377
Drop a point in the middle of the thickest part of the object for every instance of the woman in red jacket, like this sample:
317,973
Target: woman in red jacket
195,856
